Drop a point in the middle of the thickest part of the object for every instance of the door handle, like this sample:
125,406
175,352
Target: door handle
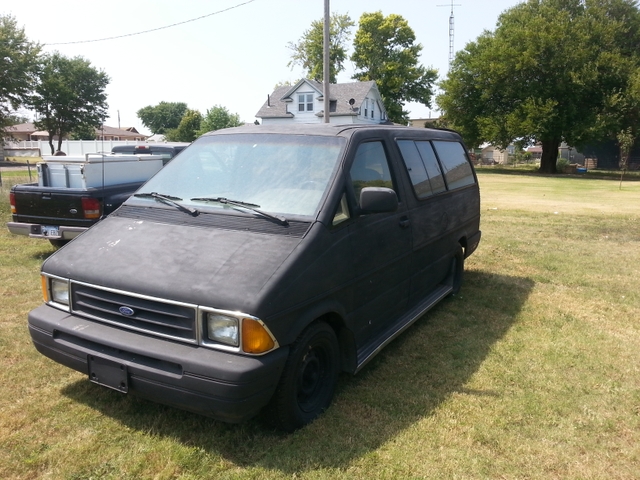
404,222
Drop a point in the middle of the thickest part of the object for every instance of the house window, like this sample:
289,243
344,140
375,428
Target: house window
305,102
366,107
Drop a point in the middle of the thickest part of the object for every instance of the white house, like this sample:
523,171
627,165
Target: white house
492,154
357,102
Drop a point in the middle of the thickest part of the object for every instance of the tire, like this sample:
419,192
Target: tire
457,270
58,243
309,379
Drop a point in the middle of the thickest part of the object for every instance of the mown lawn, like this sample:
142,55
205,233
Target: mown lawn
533,371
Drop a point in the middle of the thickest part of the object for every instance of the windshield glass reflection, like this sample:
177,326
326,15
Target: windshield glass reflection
285,174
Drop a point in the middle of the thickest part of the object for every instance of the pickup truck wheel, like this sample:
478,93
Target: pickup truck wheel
58,243
309,378
457,270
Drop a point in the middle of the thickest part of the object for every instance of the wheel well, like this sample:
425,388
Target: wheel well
463,244
346,340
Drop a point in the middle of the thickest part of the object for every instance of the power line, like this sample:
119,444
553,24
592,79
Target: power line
154,29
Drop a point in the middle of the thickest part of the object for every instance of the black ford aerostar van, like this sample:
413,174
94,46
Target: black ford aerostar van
262,262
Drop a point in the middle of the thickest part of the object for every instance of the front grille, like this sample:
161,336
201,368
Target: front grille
147,315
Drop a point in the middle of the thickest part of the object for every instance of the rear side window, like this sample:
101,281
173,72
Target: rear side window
423,167
454,161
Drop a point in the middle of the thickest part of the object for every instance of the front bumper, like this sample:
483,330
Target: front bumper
34,230
222,385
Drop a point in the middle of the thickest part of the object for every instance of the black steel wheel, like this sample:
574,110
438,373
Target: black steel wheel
309,378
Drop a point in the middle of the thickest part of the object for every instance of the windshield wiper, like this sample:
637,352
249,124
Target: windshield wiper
249,206
169,200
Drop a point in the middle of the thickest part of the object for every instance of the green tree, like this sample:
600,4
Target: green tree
626,139
309,51
188,128
19,64
70,94
217,118
83,132
17,119
551,72
385,51
162,117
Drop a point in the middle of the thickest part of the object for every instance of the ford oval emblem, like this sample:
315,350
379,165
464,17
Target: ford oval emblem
126,311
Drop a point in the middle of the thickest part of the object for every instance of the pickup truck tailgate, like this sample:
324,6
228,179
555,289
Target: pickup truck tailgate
37,206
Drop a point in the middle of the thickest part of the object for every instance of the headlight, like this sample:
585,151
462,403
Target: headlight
235,331
60,291
222,329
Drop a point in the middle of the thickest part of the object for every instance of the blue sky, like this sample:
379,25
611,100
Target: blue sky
233,58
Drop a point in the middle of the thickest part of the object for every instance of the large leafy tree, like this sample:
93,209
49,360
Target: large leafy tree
385,51
308,51
19,64
552,71
162,117
188,128
83,132
70,94
218,118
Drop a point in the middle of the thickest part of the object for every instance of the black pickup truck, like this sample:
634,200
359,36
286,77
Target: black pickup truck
74,193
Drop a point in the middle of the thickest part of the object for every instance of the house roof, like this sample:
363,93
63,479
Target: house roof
22,128
117,132
341,93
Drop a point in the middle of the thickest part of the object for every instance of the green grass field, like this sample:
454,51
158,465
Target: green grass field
533,371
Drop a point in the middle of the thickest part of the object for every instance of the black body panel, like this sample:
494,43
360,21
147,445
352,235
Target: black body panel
217,384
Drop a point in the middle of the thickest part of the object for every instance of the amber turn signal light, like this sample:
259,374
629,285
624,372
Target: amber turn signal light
255,338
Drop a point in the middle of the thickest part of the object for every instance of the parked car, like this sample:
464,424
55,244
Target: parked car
260,263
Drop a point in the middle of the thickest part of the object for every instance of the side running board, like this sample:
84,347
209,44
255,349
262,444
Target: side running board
384,338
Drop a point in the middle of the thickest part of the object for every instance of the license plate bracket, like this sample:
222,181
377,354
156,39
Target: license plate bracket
108,373
50,231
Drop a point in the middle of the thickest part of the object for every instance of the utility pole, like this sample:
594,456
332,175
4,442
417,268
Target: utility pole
325,61
451,30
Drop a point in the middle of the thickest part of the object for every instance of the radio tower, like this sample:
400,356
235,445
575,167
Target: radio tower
451,30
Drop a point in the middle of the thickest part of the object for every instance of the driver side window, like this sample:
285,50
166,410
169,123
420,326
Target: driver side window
370,168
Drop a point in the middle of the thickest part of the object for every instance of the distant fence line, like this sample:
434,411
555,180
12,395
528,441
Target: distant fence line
37,148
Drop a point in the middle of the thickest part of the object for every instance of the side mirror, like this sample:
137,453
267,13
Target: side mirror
378,200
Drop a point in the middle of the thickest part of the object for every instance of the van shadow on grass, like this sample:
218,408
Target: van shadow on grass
44,253
404,384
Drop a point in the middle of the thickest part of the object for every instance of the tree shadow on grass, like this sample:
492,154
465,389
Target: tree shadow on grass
404,384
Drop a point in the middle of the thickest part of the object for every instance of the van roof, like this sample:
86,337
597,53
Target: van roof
328,129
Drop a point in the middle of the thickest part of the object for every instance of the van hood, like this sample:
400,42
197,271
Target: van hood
228,268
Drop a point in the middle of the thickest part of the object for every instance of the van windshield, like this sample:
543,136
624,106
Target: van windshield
284,174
